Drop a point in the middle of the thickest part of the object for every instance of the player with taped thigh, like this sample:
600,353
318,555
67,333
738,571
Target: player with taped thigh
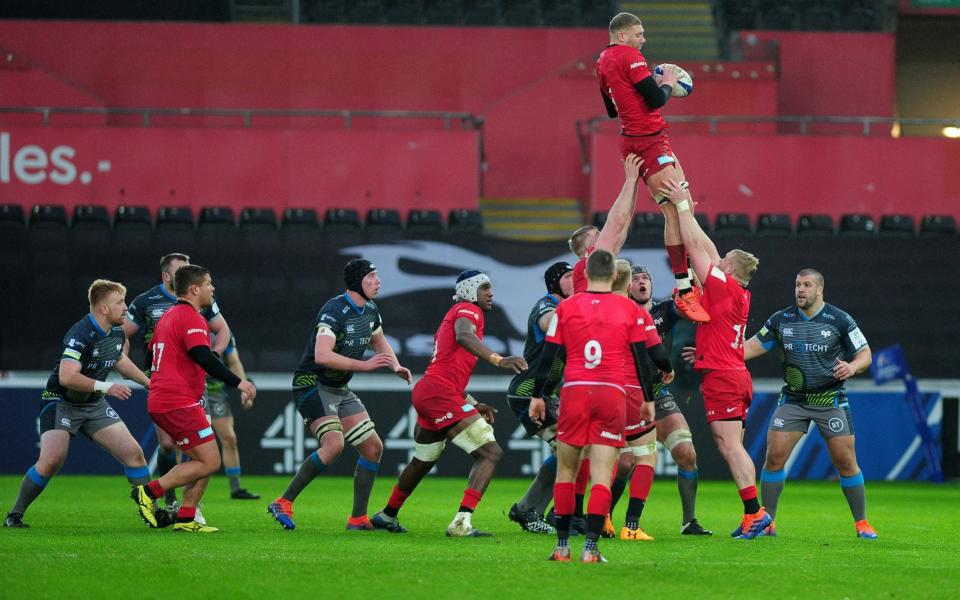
820,347
74,399
446,412
529,510
726,384
142,317
633,93
672,428
601,332
640,453
221,417
343,330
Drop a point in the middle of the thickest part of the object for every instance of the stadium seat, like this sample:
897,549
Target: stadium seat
175,230
91,228
424,223
648,223
299,219
770,225
11,216
814,225
216,217
521,13
857,225
480,12
131,225
48,216
599,219
559,13
403,11
342,220
259,237
384,220
732,224
937,225
897,226
300,239
464,221
442,12
258,219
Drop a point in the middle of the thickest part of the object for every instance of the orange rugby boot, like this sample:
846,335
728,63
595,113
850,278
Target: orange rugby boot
636,535
864,531
688,305
608,531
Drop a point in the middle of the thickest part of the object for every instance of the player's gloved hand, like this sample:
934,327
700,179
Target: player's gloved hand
537,410
517,364
378,361
667,378
689,354
403,373
120,391
486,411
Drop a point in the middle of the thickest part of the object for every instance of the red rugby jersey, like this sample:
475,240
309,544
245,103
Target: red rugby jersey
451,363
597,329
652,338
176,380
619,68
580,272
720,341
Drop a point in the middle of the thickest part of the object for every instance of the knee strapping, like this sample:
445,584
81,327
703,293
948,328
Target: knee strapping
476,435
648,449
360,432
428,452
677,437
326,428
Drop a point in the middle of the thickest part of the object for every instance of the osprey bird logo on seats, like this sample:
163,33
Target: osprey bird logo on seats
515,287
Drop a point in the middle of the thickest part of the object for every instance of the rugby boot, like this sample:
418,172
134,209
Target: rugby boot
198,517
462,527
769,531
689,307
753,525
194,527
144,504
15,520
592,556
243,494
529,520
359,524
864,531
608,531
694,528
163,518
560,554
637,535
282,511
382,521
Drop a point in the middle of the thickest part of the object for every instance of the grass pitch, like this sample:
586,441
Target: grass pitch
87,542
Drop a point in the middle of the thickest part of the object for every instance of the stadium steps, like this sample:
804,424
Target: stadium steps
678,30
531,219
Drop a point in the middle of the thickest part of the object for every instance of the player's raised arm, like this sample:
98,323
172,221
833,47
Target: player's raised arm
617,225
700,248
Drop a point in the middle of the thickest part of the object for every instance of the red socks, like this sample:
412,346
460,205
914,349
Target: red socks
471,498
563,498
599,503
678,259
641,481
397,498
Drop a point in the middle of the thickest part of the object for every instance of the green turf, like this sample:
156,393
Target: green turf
86,542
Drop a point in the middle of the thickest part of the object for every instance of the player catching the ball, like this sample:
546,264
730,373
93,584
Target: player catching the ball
631,92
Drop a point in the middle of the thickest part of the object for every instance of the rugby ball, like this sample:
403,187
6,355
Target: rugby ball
684,85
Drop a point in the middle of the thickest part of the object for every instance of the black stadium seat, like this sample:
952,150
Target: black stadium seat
91,233
938,225
384,220
341,220
857,225
259,237
175,228
131,225
732,224
49,217
814,226
258,219
216,217
13,244
769,225
648,223
898,226
704,221
464,221
424,223
300,238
